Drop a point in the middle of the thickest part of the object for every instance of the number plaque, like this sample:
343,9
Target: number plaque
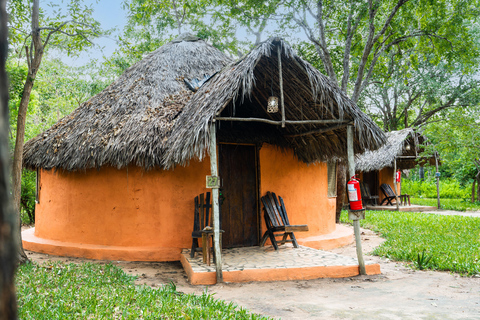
213,182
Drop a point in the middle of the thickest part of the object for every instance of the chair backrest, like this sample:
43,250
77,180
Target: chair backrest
365,190
202,212
275,212
387,189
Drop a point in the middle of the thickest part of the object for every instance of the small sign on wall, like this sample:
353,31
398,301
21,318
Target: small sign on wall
213,182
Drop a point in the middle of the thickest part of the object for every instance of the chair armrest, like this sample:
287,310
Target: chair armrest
296,228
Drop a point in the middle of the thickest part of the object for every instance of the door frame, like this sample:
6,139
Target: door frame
257,180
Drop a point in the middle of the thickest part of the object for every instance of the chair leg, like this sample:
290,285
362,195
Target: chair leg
273,240
205,249
264,239
284,238
294,240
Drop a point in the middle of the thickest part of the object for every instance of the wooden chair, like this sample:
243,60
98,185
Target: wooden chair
390,195
277,222
202,228
366,195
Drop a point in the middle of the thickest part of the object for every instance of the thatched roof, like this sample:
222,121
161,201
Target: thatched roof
149,118
130,121
242,89
396,147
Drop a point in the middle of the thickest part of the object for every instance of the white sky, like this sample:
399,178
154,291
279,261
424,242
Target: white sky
111,15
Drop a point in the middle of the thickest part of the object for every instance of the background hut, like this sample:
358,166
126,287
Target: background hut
105,191
403,150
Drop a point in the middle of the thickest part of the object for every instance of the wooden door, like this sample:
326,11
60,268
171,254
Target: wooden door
371,179
239,216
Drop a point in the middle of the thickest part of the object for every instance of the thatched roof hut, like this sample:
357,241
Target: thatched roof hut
130,121
241,91
149,119
404,146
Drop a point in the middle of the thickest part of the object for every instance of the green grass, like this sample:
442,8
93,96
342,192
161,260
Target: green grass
452,242
93,291
448,204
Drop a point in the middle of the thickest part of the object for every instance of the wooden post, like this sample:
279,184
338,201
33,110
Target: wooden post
438,180
280,80
215,204
395,182
356,223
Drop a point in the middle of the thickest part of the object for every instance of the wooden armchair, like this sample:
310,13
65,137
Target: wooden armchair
277,222
366,195
202,228
390,195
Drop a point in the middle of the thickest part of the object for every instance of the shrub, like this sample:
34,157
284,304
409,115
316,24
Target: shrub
27,200
449,189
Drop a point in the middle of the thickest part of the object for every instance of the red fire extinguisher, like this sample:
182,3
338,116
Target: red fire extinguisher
354,195
399,176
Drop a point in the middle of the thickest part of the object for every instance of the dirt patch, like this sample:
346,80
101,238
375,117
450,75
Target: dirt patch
398,293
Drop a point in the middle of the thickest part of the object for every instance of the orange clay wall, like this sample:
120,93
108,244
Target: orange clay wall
148,216
303,188
130,208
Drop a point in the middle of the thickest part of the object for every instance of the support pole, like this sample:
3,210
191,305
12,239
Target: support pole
395,182
280,80
356,223
438,180
215,205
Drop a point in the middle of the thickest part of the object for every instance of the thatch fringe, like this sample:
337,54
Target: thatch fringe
242,89
130,121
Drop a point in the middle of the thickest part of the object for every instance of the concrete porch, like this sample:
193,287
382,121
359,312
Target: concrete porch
412,208
265,264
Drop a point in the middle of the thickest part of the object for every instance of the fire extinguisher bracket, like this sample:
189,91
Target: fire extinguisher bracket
356,214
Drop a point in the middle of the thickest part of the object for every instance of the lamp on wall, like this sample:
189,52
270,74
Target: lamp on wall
272,105
407,147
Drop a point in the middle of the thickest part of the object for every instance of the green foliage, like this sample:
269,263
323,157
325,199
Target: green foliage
422,260
449,204
58,90
449,189
458,142
27,200
93,291
70,27
452,241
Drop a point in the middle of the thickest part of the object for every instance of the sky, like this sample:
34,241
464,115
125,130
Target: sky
111,15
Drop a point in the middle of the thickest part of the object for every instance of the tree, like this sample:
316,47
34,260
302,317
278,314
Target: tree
408,95
358,33
33,32
458,141
154,23
8,227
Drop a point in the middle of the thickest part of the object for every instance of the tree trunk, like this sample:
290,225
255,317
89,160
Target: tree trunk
478,186
341,185
8,226
33,65
473,190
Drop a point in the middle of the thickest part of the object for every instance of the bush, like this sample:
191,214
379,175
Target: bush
27,200
449,189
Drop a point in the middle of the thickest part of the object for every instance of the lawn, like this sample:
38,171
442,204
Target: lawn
448,204
450,243
93,291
